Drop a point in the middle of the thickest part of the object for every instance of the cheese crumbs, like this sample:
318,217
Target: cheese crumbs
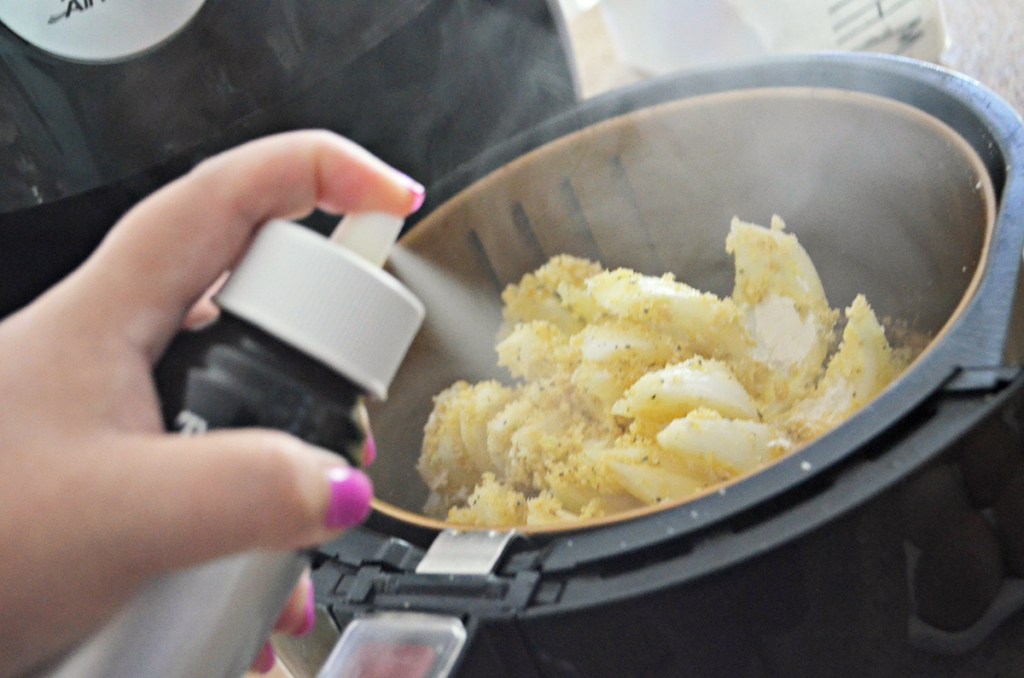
634,390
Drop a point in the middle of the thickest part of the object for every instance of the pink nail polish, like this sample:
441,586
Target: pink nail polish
351,492
369,450
309,620
419,193
265,660
418,198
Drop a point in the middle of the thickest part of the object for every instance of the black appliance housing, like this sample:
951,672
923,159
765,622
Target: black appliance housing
889,547
425,84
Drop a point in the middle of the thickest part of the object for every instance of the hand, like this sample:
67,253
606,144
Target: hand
95,497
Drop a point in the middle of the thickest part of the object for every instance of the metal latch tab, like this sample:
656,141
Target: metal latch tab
470,552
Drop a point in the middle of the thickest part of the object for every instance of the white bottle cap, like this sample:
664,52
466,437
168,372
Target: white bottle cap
327,302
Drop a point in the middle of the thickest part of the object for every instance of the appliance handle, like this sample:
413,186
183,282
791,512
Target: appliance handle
418,644
408,644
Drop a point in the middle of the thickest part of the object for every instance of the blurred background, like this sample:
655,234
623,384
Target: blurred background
980,39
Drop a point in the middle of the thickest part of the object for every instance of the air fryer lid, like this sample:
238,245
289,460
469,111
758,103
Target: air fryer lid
887,198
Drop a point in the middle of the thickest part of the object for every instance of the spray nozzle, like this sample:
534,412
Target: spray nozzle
370,235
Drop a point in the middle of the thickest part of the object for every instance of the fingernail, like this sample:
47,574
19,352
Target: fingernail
419,193
369,450
309,620
265,660
351,492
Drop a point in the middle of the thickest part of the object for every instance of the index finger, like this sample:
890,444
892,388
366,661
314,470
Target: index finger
166,251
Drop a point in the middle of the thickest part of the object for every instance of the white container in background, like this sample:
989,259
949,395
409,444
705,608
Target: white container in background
573,8
659,36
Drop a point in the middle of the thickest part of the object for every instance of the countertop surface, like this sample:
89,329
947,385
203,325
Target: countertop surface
985,43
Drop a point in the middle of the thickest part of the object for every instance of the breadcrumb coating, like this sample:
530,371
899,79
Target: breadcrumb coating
632,390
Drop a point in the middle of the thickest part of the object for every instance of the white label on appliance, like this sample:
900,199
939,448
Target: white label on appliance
97,30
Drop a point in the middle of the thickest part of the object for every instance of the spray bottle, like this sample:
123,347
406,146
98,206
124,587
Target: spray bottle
308,325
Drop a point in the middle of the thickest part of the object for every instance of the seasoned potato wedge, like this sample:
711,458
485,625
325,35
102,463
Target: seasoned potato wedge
638,390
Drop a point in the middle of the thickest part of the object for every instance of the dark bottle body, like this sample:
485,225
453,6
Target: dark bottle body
231,374
211,619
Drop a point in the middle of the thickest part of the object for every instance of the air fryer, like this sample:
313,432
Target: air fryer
87,132
891,546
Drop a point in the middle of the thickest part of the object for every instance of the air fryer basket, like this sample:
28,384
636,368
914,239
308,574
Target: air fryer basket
887,200
886,547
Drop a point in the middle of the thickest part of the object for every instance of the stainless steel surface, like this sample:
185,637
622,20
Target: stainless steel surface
205,622
454,552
